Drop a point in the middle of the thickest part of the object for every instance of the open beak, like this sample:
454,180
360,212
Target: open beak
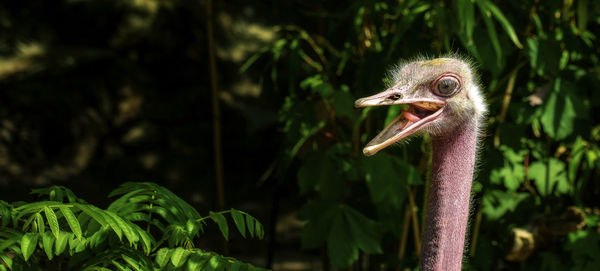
419,113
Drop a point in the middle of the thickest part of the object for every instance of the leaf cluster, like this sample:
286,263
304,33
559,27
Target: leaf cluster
146,227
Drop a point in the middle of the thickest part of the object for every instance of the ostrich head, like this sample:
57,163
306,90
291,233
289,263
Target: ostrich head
441,94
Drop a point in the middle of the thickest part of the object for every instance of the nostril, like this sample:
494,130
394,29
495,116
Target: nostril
396,96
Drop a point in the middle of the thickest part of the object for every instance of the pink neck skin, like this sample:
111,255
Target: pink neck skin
448,202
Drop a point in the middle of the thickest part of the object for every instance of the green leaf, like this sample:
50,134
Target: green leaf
61,242
559,110
250,224
552,180
52,221
340,243
320,216
132,262
48,243
320,173
163,256
71,220
364,231
222,223
28,244
503,21
491,29
343,103
496,203
238,219
179,256
584,249
382,188
39,221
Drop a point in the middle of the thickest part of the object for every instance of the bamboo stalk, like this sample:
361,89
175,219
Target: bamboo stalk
218,155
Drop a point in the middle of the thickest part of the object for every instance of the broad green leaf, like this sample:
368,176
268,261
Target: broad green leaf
214,264
559,110
497,203
48,243
387,178
222,223
320,173
340,243
71,220
238,219
549,178
319,216
52,221
61,242
180,255
163,256
28,244
236,266
364,231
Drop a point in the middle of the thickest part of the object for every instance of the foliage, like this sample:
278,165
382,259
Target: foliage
540,67
146,228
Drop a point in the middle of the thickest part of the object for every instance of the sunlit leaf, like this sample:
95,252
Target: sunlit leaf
71,220
559,110
28,244
52,221
48,244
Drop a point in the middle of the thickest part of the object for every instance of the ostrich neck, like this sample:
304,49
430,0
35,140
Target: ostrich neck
448,201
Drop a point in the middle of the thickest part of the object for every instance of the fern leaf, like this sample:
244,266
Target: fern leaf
132,262
222,223
163,256
180,255
129,232
250,224
6,260
39,221
71,220
48,243
61,242
28,244
240,222
52,221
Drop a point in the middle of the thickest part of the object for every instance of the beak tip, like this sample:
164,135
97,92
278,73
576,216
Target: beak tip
368,152
358,103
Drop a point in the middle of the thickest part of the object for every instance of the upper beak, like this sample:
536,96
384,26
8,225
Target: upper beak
382,98
420,112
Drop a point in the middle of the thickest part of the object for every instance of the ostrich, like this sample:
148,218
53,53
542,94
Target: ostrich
443,100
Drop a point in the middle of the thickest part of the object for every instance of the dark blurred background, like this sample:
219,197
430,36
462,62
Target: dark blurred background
97,93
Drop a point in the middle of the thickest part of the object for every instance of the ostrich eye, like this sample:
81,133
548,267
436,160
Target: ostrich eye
446,87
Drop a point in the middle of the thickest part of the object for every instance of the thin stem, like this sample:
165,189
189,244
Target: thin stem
403,237
476,232
415,220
